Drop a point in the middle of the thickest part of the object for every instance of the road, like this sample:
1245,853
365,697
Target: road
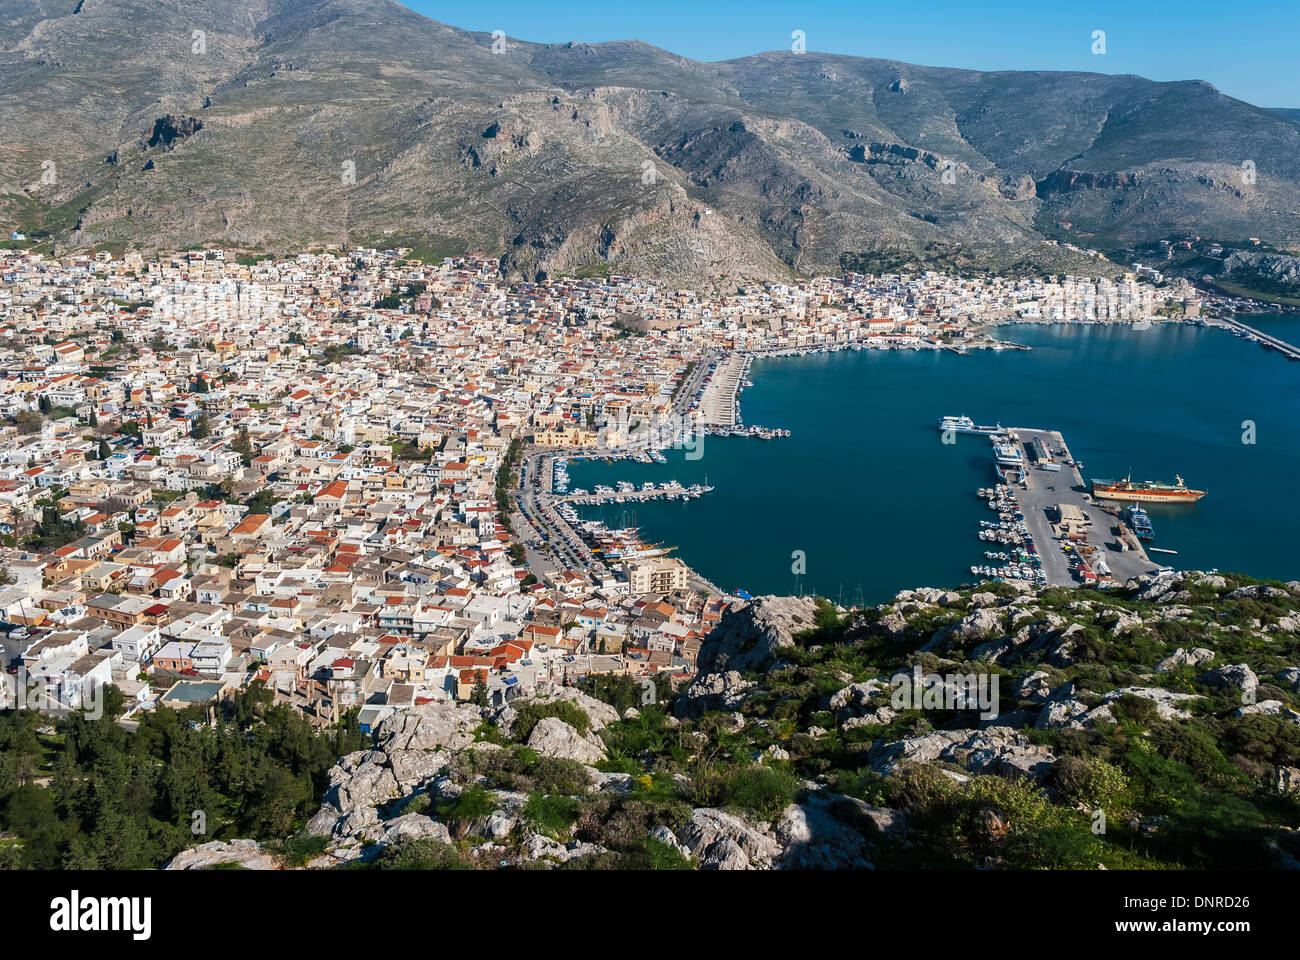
686,395
535,495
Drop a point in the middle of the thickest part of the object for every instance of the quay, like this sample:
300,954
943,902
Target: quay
718,401
1059,511
1270,342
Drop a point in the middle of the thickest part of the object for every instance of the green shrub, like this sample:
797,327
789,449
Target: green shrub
761,790
553,816
1090,781
528,716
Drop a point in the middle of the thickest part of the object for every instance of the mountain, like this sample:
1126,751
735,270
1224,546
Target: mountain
165,124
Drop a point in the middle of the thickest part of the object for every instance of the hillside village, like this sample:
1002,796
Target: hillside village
222,470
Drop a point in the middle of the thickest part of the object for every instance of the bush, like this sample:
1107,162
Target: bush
1090,781
708,784
1138,710
553,816
422,853
302,847
528,716
763,791
473,804
523,770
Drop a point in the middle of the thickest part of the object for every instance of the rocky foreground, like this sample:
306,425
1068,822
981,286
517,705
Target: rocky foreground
1156,726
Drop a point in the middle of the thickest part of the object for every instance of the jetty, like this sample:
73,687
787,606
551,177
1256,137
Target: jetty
1078,540
1268,341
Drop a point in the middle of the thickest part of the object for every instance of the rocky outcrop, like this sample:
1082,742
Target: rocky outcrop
751,638
599,712
413,749
552,737
1181,657
748,640
169,129
999,750
248,854
1236,676
975,626
723,841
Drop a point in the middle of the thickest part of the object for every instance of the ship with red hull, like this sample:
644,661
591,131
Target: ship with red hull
1145,491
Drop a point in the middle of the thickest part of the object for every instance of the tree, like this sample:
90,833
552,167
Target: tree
202,427
200,385
243,446
105,451
29,422
45,405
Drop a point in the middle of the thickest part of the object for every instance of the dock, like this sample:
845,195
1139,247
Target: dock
674,491
1271,342
1060,511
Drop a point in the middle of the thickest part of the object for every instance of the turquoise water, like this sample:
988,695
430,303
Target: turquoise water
876,502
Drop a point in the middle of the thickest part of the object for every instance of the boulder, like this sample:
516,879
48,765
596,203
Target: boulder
711,692
978,625
664,835
413,768
1267,708
552,737
1034,686
1236,676
249,854
1166,701
722,841
1183,657
537,846
499,825
430,726
415,825
749,638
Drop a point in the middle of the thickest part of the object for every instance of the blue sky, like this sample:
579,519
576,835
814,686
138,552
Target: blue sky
1249,50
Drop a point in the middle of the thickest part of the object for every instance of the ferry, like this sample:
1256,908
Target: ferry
1140,522
967,425
1145,491
1008,453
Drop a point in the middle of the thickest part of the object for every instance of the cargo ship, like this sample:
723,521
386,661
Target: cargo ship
1145,491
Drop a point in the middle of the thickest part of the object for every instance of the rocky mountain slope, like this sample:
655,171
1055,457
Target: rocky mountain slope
1154,726
278,124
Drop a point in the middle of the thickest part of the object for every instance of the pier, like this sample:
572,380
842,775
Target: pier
1269,341
673,491
718,402
1060,512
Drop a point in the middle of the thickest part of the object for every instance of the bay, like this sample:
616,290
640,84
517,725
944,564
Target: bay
867,497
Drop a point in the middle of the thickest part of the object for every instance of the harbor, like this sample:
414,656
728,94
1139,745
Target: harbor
743,533
1053,531
1078,540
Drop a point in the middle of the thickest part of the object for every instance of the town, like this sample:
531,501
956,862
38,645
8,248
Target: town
335,473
